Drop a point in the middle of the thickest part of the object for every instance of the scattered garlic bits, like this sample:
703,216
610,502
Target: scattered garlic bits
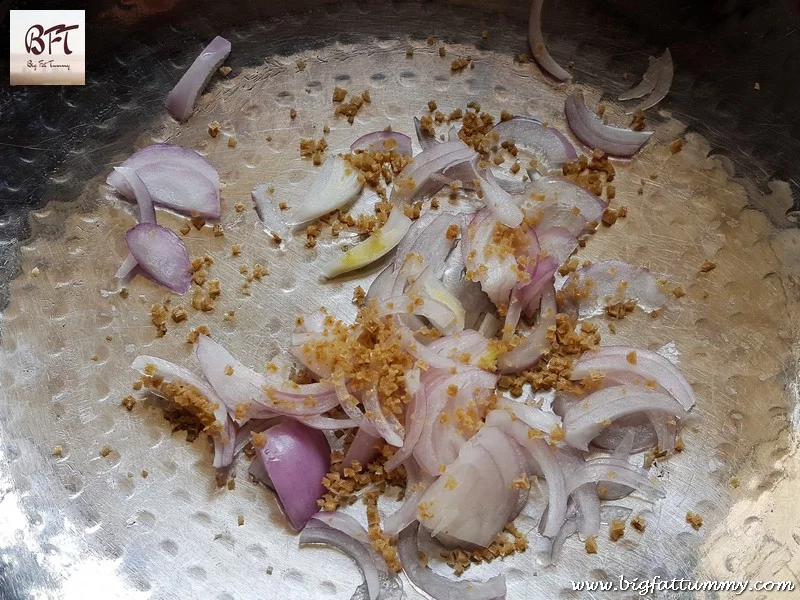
707,266
379,167
508,542
590,545
460,64
568,341
224,70
293,114
695,520
676,146
637,123
213,129
313,149
58,451
159,313
380,542
129,402
638,523
105,451
345,481
188,408
592,175
195,333
350,109
359,295
475,128
616,530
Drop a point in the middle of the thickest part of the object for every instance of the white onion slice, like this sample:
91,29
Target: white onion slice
156,154
267,212
427,237
590,129
327,423
585,498
172,372
181,187
569,528
388,427
548,464
416,412
612,360
362,449
535,344
417,481
267,396
440,587
225,445
333,186
533,416
380,243
415,179
500,202
127,267
181,100
610,282
431,289
538,48
383,141
585,418
161,254
147,213
565,205
551,148
615,471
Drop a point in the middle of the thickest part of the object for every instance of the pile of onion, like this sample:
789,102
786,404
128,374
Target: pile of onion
466,307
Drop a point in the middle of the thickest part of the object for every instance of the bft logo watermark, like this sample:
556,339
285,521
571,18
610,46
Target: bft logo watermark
48,47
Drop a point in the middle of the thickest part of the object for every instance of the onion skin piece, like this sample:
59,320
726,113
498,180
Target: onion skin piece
377,142
663,85
181,100
161,254
538,48
296,458
590,129
436,586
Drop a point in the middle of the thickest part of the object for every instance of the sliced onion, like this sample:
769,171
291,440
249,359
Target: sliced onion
127,267
381,242
489,326
569,528
416,412
536,42
533,416
161,255
535,344
388,427
327,423
362,449
333,186
425,140
548,465
267,212
415,179
640,428
349,404
615,471
382,285
172,372
156,154
181,100
147,214
663,83
469,342
430,290
558,243
590,129
565,205
585,419
612,361
547,144
610,282
585,498
500,202
437,586
267,396
500,276
296,458
225,445
428,238
342,522
417,481
383,141
318,533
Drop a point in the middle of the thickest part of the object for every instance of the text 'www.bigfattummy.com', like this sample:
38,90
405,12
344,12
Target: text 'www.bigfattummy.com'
645,587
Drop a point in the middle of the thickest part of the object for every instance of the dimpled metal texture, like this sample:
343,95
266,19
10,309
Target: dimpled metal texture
147,520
